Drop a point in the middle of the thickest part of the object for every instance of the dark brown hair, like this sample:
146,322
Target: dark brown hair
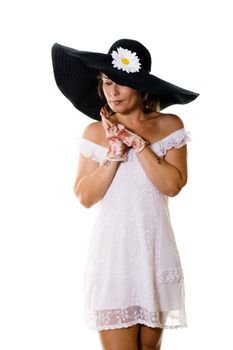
150,102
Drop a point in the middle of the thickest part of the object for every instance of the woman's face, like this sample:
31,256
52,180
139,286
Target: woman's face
121,99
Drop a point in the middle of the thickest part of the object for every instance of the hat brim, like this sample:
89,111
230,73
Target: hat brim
76,75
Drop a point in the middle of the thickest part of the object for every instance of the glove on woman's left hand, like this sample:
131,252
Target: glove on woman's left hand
131,139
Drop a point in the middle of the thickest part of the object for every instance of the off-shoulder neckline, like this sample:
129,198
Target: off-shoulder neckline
152,143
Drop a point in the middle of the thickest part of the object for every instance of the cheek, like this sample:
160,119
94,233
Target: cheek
105,91
130,93
133,97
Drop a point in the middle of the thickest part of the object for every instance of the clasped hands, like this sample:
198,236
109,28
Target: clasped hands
120,138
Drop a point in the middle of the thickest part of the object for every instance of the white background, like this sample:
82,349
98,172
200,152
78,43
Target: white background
44,229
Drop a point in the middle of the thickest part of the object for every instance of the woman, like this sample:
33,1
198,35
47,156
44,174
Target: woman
131,160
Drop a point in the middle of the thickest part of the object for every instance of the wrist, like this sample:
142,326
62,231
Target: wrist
109,163
139,145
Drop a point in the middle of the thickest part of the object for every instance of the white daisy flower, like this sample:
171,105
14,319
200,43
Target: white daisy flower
126,60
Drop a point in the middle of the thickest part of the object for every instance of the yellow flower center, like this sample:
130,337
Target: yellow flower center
124,60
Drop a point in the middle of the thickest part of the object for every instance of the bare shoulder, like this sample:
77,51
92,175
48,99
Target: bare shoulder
170,123
93,132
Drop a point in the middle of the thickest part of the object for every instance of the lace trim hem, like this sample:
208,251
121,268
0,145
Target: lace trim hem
128,316
132,323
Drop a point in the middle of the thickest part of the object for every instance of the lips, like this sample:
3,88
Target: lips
116,102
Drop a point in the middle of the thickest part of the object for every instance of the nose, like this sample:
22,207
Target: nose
114,90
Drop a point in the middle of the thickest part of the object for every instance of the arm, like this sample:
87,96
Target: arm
93,179
168,174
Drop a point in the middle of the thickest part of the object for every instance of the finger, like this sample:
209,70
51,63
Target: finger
104,122
108,122
105,125
103,115
106,119
107,114
103,112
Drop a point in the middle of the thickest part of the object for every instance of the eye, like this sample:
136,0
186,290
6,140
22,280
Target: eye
108,83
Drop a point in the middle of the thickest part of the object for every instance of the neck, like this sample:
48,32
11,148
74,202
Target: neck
130,119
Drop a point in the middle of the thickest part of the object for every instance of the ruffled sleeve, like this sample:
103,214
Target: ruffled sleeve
177,139
91,150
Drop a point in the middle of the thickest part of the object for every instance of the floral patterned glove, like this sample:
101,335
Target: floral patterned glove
131,139
117,150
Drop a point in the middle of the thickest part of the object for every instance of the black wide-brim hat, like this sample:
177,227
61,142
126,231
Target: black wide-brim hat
76,74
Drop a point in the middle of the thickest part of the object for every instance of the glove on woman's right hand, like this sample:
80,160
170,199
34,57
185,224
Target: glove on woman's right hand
117,150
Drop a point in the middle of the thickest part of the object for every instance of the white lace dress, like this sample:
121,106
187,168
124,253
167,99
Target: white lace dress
133,271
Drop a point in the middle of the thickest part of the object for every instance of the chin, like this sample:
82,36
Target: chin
116,109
